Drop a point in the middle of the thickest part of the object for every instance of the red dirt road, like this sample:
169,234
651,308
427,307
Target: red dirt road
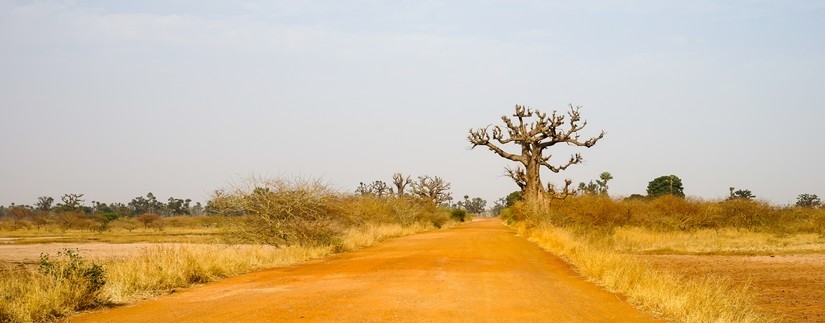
476,272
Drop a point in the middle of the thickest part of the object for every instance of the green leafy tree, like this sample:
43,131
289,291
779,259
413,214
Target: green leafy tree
178,206
597,187
148,204
512,198
664,185
475,205
740,194
808,200
590,188
602,182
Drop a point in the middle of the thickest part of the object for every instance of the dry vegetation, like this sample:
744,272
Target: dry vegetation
273,223
601,236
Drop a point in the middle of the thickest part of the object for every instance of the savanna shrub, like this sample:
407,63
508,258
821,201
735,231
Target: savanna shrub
458,215
667,212
69,269
297,212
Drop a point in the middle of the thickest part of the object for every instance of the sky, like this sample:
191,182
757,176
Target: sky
115,99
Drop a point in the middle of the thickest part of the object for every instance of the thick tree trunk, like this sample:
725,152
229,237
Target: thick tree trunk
534,189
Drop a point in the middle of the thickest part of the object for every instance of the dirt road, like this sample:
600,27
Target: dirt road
476,272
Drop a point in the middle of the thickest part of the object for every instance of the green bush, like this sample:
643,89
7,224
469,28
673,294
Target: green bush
459,215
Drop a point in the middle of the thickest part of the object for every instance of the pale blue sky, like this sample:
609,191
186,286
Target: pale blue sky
182,97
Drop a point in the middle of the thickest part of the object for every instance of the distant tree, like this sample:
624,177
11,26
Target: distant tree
376,188
44,203
808,200
40,219
475,205
69,219
590,188
21,214
602,182
664,185
197,209
433,189
531,139
104,214
498,205
148,204
512,198
400,183
120,209
178,206
740,194
150,220
70,202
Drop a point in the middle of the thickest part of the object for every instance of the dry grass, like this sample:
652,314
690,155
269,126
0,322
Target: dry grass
286,220
599,236
661,293
26,295
182,229
164,268
725,241
359,237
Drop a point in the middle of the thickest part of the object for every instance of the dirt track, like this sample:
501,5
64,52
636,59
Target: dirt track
480,271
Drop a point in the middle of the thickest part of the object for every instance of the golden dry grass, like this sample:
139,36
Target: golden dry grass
181,229
26,295
726,241
661,293
600,236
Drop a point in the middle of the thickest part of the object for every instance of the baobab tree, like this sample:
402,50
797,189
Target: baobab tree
401,183
533,137
433,189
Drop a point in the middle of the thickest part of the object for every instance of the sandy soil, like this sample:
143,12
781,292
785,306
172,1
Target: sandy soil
476,272
790,286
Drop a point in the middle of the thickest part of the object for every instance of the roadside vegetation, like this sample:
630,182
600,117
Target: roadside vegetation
601,236
260,224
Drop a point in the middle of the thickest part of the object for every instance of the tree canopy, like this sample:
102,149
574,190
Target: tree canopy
664,185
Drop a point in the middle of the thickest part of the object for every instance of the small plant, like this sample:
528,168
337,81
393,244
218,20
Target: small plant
69,269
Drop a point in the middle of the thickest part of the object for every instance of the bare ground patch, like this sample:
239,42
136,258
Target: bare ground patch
790,286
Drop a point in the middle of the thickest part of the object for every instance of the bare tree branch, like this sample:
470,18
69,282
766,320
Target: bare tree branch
533,137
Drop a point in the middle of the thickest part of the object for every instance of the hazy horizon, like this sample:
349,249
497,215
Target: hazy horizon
179,98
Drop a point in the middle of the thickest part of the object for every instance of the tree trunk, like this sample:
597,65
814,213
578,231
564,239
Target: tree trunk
534,189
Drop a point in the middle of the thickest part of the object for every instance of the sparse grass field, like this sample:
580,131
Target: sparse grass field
690,261
180,252
28,295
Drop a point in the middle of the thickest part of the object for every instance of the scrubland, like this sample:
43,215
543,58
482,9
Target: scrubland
267,224
605,240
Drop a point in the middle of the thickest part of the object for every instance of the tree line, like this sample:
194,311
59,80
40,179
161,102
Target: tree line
433,189
73,202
